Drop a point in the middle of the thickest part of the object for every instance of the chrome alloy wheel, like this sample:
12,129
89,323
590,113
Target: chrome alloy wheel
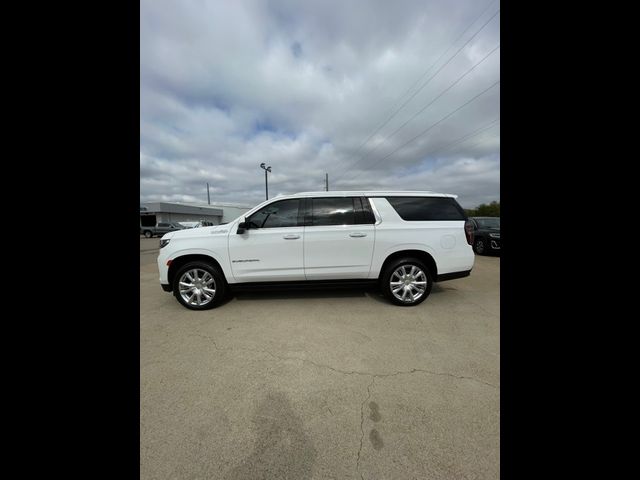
408,283
197,287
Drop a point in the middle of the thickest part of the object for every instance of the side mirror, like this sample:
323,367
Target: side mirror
242,227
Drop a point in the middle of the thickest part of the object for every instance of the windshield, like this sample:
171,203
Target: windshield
489,222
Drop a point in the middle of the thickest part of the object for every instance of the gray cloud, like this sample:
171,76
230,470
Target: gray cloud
300,85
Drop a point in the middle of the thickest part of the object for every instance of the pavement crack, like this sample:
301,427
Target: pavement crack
212,341
346,372
362,425
384,375
414,370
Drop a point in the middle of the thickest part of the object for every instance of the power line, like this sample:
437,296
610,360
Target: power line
482,140
446,51
424,74
466,137
422,109
430,78
437,123
460,140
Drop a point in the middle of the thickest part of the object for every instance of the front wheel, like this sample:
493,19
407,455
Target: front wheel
199,286
479,246
406,282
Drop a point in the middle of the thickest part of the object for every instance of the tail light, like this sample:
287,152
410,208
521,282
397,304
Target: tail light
468,231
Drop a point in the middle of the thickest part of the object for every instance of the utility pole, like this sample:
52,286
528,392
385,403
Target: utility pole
208,197
266,185
326,182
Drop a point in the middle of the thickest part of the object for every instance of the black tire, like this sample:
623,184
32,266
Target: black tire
385,281
148,234
479,246
220,285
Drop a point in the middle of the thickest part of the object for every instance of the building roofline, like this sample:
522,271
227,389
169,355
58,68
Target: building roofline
212,205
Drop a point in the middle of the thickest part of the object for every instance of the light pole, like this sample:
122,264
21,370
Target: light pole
266,185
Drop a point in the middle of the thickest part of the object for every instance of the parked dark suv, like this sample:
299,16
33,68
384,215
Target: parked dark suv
486,235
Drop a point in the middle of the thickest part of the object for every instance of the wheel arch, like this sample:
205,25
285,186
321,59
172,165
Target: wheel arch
178,262
421,255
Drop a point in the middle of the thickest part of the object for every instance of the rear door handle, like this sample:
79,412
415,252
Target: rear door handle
291,237
357,234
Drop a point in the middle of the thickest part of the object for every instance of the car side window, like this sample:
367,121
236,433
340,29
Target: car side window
416,209
163,224
276,215
364,214
333,211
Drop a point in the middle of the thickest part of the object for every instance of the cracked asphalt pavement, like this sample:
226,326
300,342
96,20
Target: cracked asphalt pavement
321,385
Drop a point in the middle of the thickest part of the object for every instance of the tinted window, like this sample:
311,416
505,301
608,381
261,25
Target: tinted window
274,215
427,208
163,224
364,214
489,222
333,211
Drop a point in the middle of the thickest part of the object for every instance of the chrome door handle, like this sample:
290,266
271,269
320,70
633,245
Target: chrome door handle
358,234
291,237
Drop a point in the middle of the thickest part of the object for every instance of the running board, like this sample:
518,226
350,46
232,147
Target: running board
304,284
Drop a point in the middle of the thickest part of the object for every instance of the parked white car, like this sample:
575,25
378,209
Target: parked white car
402,241
189,224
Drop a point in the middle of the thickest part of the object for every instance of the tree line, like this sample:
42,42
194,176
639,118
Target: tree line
484,210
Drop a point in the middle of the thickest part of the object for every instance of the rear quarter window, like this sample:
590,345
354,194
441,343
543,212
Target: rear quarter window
420,209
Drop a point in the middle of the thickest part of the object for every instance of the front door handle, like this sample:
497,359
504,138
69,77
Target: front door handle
357,234
291,237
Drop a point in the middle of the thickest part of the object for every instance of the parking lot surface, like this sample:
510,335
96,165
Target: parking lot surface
321,384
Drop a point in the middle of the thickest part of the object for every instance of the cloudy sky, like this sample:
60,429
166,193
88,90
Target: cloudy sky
379,94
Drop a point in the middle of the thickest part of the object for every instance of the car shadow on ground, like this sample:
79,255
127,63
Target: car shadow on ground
379,297
310,293
306,293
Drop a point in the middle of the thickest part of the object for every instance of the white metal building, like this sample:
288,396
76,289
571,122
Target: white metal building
152,213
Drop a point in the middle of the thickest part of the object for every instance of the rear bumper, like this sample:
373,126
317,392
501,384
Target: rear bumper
453,275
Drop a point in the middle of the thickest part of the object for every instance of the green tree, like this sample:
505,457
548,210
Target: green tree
484,210
491,210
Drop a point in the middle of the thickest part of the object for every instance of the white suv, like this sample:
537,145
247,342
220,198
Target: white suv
402,241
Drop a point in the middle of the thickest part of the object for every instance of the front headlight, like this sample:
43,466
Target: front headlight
164,243
492,235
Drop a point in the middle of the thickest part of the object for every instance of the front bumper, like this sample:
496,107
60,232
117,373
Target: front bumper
166,287
163,268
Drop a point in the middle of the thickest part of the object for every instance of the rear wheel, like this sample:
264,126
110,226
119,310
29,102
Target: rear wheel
406,282
148,234
199,286
479,246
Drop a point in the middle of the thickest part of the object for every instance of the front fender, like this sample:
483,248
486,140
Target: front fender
221,259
